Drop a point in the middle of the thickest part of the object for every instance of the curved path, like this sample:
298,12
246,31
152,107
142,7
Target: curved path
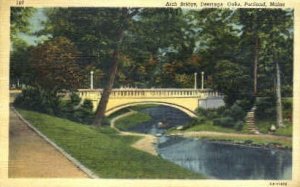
144,144
31,156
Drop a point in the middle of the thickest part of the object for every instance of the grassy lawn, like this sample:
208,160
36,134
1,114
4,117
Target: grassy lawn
264,125
131,121
247,140
105,152
118,113
208,126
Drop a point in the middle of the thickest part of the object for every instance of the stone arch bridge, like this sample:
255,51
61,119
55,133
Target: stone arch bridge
186,100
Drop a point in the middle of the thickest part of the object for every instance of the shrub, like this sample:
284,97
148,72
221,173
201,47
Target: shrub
224,122
201,112
287,104
220,110
39,100
79,113
266,108
239,125
246,103
208,113
237,112
194,122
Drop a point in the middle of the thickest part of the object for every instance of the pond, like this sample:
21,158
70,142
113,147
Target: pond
214,159
226,161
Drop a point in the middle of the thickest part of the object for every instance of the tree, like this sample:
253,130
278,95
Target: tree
20,70
54,65
124,20
232,80
122,35
19,20
269,34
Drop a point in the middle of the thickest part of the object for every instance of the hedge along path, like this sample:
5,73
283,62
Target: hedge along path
146,143
32,156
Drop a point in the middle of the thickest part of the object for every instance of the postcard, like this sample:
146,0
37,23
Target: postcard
160,93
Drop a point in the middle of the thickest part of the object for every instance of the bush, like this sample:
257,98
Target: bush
239,125
246,104
208,113
266,108
39,100
79,113
237,112
201,112
287,104
43,101
224,122
194,122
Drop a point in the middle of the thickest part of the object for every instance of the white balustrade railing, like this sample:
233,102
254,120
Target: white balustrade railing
150,93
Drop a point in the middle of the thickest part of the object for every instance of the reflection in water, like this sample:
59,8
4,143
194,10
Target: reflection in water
226,161
216,160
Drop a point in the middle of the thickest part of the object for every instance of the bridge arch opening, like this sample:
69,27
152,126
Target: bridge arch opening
181,108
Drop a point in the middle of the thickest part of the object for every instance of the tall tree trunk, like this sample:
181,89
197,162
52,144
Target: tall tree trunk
278,97
255,65
100,112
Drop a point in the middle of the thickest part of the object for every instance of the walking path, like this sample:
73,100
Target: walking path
32,156
147,143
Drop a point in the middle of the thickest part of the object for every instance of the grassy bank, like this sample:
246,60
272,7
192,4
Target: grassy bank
264,126
208,126
104,151
209,131
131,121
244,139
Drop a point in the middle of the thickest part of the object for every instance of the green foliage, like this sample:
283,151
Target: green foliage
106,153
19,19
194,122
208,113
162,48
265,124
76,111
209,126
232,117
232,80
118,113
224,122
39,100
237,112
285,131
54,63
239,125
266,108
43,101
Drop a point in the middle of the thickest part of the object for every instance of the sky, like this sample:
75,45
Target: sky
35,25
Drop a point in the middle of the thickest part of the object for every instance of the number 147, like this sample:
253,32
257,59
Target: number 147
20,2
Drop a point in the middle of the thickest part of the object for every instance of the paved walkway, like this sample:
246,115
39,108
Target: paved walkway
32,156
144,144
